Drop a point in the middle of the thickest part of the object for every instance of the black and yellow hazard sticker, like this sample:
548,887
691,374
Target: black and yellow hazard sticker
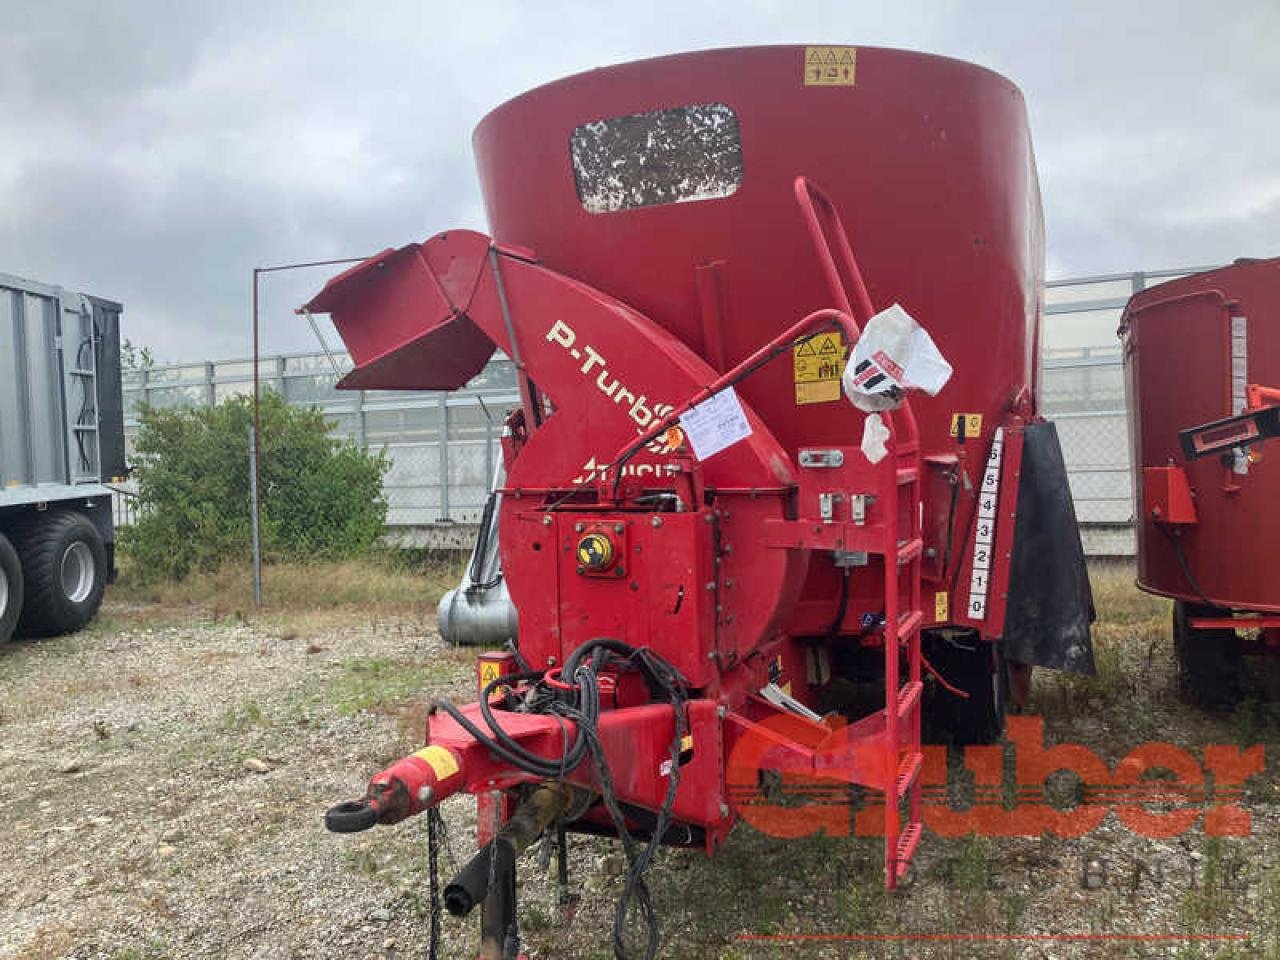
489,671
971,422
829,66
595,551
818,363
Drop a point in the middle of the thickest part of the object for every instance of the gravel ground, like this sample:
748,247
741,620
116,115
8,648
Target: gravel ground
162,784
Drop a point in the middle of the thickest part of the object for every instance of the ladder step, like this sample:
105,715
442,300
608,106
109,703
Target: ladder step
907,475
908,771
909,623
907,843
909,550
909,698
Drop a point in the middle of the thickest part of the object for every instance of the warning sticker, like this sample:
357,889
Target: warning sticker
972,424
829,66
818,363
442,763
489,672
941,606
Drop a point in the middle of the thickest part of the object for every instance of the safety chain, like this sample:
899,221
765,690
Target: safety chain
435,834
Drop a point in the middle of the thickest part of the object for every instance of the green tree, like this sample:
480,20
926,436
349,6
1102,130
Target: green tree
321,497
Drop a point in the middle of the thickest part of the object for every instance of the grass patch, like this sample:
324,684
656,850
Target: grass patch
377,682
244,717
1118,599
1133,653
386,581
150,951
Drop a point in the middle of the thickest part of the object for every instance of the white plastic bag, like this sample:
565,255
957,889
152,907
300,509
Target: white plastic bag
874,435
894,354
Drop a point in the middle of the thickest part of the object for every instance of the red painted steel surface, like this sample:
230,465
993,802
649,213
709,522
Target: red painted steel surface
1178,354
1167,495
928,161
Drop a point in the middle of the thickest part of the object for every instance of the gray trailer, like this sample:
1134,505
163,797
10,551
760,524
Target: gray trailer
61,445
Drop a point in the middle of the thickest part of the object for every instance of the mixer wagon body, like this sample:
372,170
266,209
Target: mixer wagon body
1200,353
714,230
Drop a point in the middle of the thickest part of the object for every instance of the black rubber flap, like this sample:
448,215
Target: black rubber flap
1050,604
111,447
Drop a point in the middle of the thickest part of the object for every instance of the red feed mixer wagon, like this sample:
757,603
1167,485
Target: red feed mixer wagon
683,253
1202,361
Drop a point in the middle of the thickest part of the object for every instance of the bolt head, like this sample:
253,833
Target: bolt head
426,795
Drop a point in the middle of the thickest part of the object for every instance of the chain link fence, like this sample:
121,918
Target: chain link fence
443,447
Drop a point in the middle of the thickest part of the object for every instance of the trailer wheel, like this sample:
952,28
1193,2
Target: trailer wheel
1209,661
10,588
978,668
64,563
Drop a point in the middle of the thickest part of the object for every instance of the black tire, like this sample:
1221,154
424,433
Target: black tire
64,564
1210,665
11,588
975,666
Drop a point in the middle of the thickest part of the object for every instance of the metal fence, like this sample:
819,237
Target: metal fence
443,447
1082,390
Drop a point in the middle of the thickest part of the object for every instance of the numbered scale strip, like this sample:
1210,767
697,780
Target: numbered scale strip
985,532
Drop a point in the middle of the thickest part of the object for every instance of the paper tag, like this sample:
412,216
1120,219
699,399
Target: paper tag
715,424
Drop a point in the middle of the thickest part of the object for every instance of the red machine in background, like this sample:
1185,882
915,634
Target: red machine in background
689,629
1202,358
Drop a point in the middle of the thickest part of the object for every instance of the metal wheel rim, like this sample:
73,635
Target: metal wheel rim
78,570
4,591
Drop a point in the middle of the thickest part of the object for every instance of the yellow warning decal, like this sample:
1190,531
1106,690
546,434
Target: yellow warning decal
489,672
440,760
941,606
686,742
817,364
972,424
829,66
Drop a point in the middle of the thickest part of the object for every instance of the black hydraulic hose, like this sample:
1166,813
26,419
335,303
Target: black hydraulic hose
1176,542
501,743
532,762
575,659
482,548
580,673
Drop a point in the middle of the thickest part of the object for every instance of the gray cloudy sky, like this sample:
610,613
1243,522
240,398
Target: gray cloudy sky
155,151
